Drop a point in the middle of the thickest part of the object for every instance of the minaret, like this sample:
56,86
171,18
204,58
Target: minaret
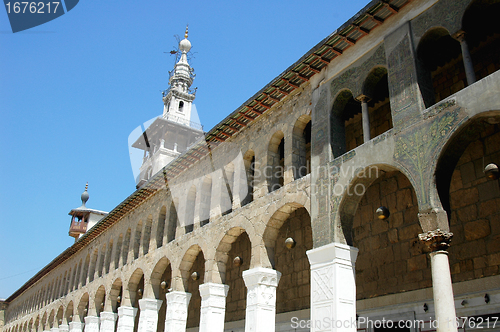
83,218
178,98
172,133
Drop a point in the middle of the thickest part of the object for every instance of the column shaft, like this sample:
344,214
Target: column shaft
148,319
213,307
366,121
75,327
126,319
108,321
64,328
333,288
261,286
177,311
91,324
444,303
469,66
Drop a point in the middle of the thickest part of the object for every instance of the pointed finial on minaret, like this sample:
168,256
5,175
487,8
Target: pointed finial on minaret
85,195
186,34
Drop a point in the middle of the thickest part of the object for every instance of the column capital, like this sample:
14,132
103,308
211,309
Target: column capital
150,304
127,311
261,276
211,288
106,315
436,240
363,98
329,253
460,35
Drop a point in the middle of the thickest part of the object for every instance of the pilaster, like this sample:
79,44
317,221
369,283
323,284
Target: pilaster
126,319
108,321
213,307
148,319
333,287
177,311
261,286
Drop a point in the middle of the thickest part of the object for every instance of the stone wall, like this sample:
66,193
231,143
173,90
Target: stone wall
475,213
391,258
294,286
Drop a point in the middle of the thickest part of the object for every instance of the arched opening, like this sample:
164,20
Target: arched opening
291,221
205,200
346,130
301,147
172,222
100,299
147,235
161,226
482,35
249,161
86,267
126,246
233,257
118,249
137,239
470,198
441,59
229,182
376,90
100,266
108,256
116,295
275,162
190,209
161,282
181,106
193,262
391,258
83,308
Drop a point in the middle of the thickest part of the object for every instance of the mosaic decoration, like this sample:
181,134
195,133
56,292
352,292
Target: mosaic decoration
354,77
445,13
402,85
422,143
438,108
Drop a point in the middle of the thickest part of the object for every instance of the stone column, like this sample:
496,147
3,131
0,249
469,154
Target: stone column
126,319
148,319
91,324
75,327
365,117
54,329
333,287
64,328
177,311
213,307
261,286
108,321
437,243
469,66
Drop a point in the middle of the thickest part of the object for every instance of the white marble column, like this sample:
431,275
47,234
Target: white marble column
213,307
91,324
365,117
261,286
108,321
126,319
467,60
333,287
75,327
177,311
444,304
148,319
64,328
54,329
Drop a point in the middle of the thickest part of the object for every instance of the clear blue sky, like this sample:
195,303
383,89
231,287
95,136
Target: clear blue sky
73,89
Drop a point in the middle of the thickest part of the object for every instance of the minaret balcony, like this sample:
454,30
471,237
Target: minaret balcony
77,228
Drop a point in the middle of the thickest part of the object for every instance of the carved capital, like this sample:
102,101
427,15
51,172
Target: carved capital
436,240
460,36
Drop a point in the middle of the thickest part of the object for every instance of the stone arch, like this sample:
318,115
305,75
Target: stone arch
162,216
441,60
391,258
470,198
135,287
376,92
86,267
193,261
275,162
60,316
190,209
102,256
173,221
156,275
93,265
147,234
352,195
100,300
107,265
68,314
83,307
344,123
73,280
115,296
137,239
249,162
126,245
205,200
222,252
301,146
118,248
162,272
482,35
